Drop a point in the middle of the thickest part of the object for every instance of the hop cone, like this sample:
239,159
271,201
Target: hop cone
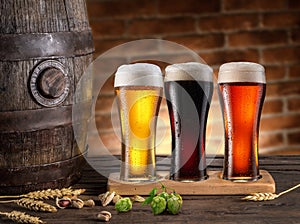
174,204
158,205
164,195
123,205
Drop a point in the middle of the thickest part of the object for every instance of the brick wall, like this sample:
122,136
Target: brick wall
262,31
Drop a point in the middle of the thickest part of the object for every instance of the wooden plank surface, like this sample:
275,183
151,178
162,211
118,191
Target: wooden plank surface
214,185
211,209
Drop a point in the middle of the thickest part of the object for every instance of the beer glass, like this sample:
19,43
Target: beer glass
242,87
188,90
138,88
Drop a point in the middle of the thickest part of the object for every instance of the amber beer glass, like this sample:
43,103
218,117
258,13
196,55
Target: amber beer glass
242,87
138,88
188,90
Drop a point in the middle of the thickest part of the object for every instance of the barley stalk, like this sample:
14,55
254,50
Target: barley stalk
49,194
22,217
267,196
32,204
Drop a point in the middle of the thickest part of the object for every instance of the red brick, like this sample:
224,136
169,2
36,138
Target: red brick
272,107
152,27
104,103
283,89
228,22
110,139
254,38
295,71
280,122
294,4
165,58
294,104
104,121
254,5
275,72
153,60
294,138
295,36
120,8
104,45
281,55
188,6
103,74
140,48
219,57
107,88
287,150
270,140
111,142
199,42
104,28
283,19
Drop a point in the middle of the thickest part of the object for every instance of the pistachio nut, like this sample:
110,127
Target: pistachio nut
89,203
104,216
116,198
77,203
137,198
106,198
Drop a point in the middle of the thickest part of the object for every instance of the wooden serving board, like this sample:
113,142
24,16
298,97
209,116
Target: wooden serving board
214,185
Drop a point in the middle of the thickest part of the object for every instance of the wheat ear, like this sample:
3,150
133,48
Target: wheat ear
49,194
267,196
22,217
32,204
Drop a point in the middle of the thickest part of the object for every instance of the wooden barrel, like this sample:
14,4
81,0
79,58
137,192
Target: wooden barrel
45,46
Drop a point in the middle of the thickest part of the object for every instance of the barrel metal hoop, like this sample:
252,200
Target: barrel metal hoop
33,120
39,119
15,47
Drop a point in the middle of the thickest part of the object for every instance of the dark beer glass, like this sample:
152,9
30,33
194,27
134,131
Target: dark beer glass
188,90
242,88
138,88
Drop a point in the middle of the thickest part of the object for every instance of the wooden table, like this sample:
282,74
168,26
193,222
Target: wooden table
196,209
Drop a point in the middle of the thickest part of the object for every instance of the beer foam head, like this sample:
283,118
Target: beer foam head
189,71
139,74
241,72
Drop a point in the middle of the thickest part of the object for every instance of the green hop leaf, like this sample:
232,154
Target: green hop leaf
174,203
123,205
151,196
158,205
163,187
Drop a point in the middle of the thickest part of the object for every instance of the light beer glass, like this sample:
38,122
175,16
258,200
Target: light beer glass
188,90
138,88
242,87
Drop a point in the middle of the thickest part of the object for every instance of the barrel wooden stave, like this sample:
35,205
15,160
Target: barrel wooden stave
43,16
38,151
